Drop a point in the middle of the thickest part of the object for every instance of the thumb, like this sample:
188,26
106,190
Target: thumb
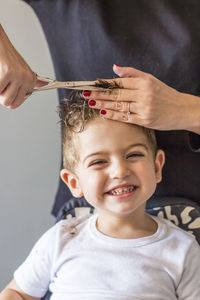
40,83
127,71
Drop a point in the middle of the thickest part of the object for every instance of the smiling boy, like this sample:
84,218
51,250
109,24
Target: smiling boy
120,252
117,172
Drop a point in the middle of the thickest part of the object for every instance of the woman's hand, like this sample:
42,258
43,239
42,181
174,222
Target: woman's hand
144,100
16,77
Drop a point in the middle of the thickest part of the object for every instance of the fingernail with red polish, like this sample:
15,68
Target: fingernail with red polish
103,112
117,66
86,93
92,103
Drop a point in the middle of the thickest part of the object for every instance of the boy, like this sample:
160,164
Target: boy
121,252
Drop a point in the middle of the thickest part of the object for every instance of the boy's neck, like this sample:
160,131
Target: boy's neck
128,227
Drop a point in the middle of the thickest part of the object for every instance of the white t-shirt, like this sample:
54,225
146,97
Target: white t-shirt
77,262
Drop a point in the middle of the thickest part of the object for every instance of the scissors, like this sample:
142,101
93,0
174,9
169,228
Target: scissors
73,85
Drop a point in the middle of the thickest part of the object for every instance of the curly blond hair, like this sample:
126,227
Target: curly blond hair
75,115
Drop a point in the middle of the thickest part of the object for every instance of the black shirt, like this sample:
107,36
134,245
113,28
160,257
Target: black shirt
161,37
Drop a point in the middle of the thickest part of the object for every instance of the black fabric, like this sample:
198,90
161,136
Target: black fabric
161,37
69,208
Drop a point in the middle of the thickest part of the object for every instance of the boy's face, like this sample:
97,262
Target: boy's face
117,172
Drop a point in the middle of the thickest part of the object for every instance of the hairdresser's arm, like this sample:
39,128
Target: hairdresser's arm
16,77
13,292
153,104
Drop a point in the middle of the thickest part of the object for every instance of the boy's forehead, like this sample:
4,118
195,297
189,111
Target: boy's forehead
102,132
99,125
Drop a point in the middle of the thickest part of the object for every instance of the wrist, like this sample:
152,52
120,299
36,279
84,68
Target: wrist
191,118
3,36
1,29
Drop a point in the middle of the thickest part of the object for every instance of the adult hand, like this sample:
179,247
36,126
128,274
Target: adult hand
16,77
151,103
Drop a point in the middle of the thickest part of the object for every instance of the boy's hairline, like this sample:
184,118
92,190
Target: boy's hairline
76,115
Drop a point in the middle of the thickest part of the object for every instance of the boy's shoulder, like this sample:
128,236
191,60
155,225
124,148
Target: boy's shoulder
175,233
64,228
73,222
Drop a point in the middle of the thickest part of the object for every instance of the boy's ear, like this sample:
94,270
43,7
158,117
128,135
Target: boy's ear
159,163
72,181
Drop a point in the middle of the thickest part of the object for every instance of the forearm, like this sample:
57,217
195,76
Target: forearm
3,37
191,116
1,29
9,294
13,292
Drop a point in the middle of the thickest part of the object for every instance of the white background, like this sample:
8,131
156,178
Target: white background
29,147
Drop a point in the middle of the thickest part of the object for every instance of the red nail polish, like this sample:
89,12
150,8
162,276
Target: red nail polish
117,66
103,112
86,93
92,102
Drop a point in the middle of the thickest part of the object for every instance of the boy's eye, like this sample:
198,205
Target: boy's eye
97,162
135,154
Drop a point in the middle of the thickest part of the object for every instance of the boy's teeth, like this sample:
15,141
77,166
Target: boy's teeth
122,190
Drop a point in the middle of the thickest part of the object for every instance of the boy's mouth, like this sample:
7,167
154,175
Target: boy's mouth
122,190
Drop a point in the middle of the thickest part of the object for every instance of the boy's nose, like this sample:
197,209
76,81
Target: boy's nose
119,169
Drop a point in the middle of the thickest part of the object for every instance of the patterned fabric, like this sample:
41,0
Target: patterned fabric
187,218
182,212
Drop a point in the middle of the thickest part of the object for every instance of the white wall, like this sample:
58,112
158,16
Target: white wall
29,147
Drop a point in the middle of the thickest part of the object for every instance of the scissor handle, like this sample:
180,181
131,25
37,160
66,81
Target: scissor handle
46,79
51,84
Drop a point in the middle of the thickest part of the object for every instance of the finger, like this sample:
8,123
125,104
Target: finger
20,98
25,91
113,105
124,83
33,81
121,116
3,84
116,95
9,94
40,83
127,71
127,86
128,83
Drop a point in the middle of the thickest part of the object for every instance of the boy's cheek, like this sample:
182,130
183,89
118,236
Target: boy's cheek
92,183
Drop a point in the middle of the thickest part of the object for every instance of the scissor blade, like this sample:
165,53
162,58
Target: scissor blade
82,85
69,84
79,88
86,87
